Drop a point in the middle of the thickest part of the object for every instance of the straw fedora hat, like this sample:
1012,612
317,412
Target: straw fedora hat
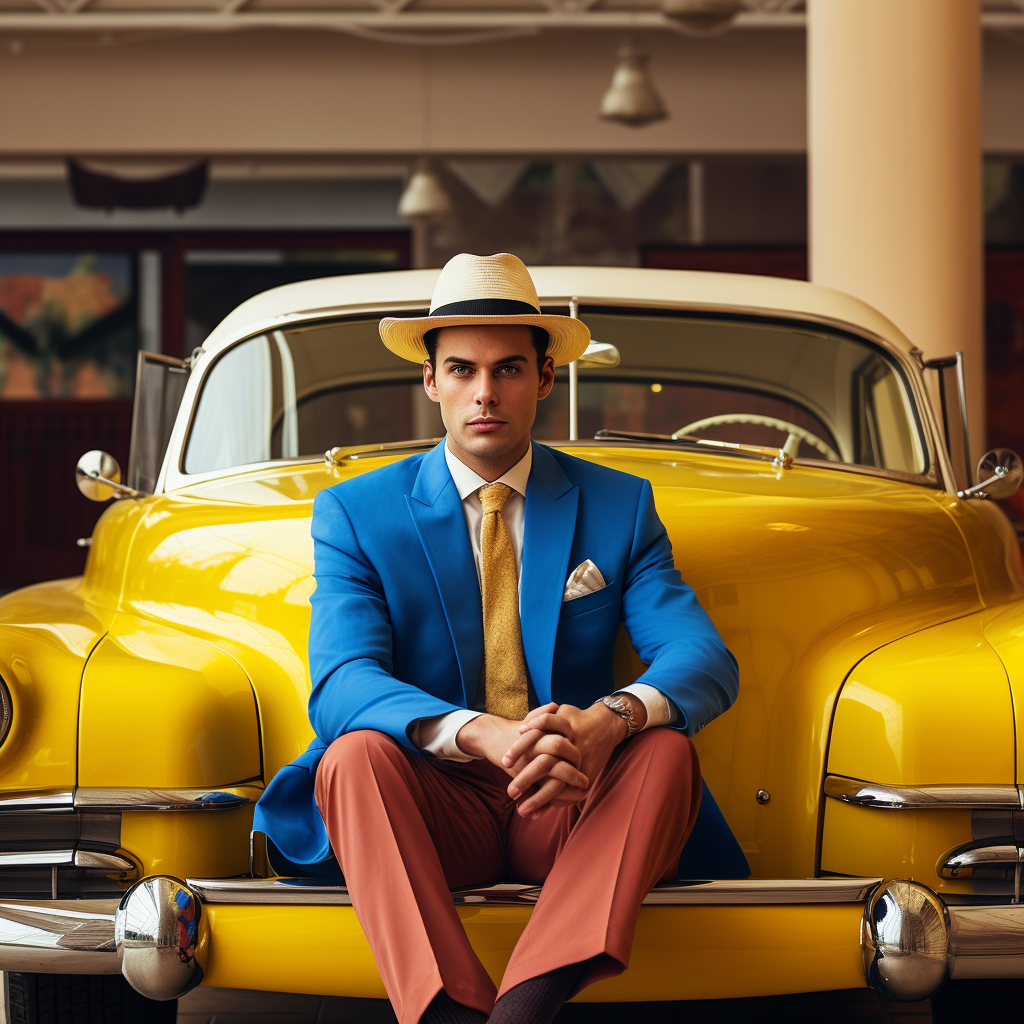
485,290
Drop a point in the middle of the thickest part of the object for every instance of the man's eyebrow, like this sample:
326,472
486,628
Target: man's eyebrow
469,362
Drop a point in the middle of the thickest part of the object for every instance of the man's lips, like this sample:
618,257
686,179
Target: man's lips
485,425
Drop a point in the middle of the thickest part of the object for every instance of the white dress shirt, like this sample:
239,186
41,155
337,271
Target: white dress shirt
437,734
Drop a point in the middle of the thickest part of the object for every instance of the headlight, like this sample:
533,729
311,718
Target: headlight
6,711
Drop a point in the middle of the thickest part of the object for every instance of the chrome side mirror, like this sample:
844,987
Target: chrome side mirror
1000,472
99,477
599,353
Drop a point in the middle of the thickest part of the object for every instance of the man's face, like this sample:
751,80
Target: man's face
487,383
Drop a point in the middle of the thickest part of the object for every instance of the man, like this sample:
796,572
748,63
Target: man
463,625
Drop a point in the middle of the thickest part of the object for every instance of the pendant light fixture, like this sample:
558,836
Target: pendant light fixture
703,17
424,198
631,98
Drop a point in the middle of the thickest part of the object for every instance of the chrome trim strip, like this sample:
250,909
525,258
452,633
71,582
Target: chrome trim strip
98,860
102,798
89,859
226,798
58,936
962,861
870,794
304,892
765,891
47,800
37,858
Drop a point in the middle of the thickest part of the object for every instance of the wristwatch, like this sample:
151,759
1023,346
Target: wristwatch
624,709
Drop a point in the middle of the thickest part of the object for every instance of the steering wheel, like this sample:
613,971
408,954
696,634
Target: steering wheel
795,433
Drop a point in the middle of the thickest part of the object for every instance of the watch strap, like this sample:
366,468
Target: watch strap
618,703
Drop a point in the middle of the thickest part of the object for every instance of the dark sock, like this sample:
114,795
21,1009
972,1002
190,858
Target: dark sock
444,1010
538,1000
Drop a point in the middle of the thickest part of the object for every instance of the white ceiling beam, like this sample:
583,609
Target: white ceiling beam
394,15
467,20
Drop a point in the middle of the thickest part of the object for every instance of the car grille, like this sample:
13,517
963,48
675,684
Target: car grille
39,850
997,824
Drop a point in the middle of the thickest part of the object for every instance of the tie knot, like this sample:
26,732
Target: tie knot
494,496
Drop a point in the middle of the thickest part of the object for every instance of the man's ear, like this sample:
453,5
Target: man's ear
429,384
547,378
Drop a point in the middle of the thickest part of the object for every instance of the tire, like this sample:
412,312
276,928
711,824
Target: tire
958,1001
80,999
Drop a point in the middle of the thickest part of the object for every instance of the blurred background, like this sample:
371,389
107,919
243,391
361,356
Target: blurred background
163,160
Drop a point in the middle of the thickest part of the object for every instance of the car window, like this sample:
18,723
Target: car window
841,399
295,393
298,392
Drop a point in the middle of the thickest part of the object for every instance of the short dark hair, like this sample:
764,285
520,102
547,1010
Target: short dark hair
538,336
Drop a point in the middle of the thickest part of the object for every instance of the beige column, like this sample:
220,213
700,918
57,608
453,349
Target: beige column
894,98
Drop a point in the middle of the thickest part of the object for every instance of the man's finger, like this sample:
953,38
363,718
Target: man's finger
520,747
545,709
538,742
548,723
565,772
540,798
558,746
561,770
539,768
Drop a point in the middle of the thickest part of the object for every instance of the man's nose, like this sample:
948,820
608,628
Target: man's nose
485,391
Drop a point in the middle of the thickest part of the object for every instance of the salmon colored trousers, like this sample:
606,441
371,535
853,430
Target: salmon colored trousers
408,829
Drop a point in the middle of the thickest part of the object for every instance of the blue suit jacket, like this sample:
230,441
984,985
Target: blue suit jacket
396,632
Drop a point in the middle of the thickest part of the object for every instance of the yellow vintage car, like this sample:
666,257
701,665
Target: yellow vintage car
810,468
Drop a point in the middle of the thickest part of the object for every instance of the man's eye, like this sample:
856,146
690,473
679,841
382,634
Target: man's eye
460,371
510,367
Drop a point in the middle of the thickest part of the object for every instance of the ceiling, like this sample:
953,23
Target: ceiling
420,21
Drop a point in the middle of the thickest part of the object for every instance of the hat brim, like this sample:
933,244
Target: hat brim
568,338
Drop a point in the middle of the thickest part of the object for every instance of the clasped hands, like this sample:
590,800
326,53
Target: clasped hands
553,754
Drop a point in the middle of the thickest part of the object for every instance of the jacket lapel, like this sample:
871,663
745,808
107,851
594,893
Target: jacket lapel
437,512
551,502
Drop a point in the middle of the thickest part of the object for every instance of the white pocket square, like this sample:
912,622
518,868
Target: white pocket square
583,580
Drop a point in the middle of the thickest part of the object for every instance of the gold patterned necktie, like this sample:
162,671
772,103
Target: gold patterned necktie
505,691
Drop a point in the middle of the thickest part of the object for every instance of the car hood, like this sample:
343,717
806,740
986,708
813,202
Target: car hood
804,572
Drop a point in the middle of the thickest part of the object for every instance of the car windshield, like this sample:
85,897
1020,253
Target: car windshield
298,392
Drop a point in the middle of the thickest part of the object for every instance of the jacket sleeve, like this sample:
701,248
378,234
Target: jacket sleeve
670,631
350,640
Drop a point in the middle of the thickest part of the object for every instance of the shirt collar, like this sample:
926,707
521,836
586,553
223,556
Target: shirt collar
467,481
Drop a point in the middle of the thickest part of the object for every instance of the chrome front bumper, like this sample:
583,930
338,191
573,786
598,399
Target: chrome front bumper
58,937
156,935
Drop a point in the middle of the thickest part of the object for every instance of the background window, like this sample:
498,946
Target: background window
68,325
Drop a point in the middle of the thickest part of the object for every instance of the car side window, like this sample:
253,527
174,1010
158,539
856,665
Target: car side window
296,393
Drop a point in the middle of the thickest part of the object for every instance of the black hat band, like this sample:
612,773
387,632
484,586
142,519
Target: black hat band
486,307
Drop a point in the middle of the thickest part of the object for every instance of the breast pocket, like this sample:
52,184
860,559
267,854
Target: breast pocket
590,602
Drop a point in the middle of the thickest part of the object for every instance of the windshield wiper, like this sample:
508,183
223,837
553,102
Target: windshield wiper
335,457
778,457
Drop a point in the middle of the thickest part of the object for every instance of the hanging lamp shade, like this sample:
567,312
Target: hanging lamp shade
631,98
703,17
424,197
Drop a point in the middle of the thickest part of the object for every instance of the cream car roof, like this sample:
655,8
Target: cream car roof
555,285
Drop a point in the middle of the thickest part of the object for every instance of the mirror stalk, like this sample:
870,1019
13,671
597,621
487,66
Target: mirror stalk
1000,472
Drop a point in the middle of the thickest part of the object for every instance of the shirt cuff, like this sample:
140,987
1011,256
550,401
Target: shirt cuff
660,710
437,735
